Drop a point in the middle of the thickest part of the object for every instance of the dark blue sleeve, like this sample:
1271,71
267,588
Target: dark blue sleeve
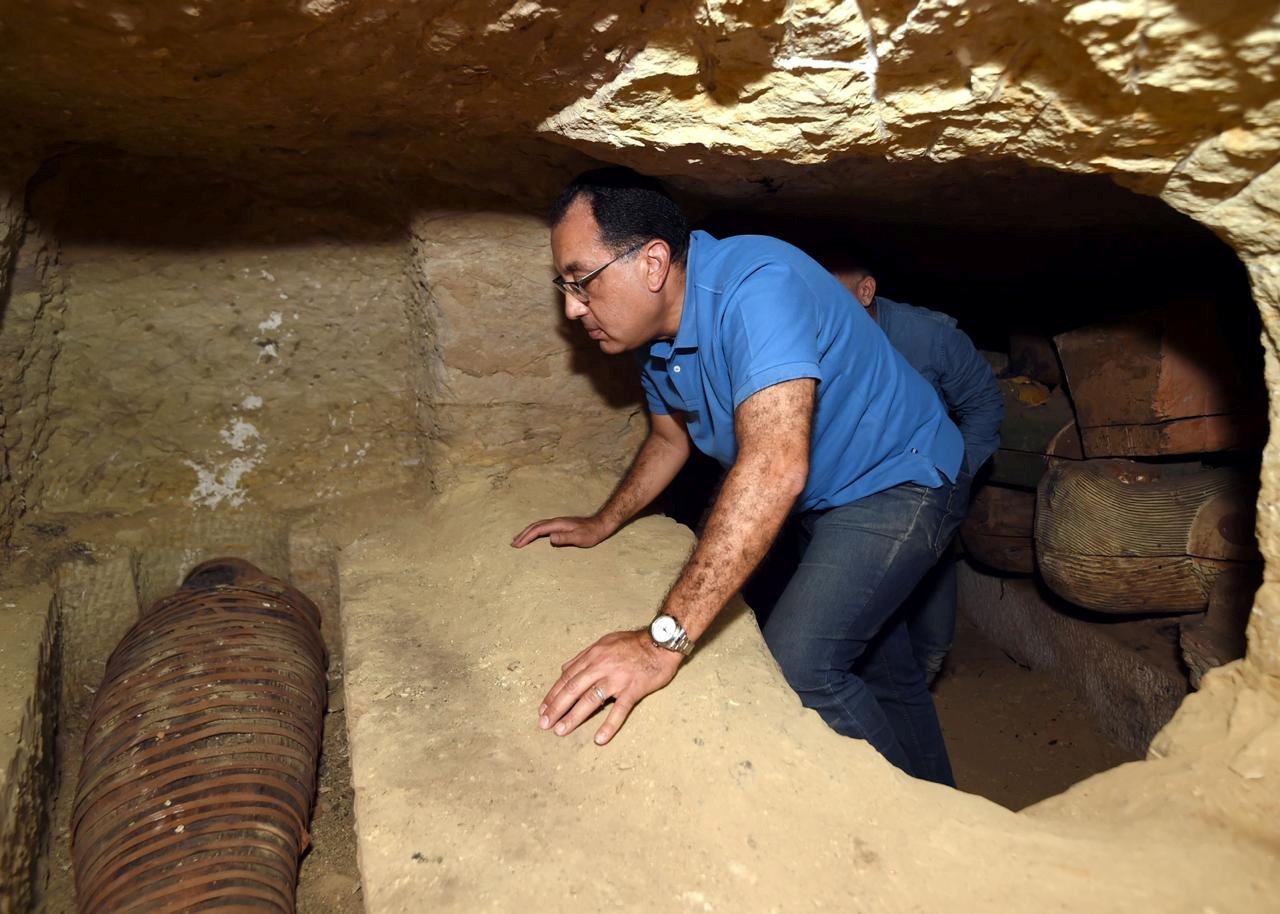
971,393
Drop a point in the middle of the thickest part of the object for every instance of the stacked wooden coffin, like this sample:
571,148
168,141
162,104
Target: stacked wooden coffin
1088,490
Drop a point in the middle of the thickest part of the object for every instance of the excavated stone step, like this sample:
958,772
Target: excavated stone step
720,794
1125,672
29,651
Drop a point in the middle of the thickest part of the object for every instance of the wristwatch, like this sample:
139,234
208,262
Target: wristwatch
666,631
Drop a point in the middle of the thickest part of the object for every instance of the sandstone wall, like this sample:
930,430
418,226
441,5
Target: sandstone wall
224,350
511,380
29,714
31,306
839,102
12,222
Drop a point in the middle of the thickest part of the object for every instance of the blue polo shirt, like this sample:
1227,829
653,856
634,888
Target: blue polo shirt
758,312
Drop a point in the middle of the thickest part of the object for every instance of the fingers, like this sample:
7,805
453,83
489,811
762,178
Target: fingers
576,532
538,528
623,666
587,703
562,531
562,694
571,700
622,706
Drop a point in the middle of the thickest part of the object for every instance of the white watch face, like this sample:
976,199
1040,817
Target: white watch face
662,629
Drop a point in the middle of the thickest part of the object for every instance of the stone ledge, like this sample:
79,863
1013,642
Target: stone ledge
29,658
721,793
1130,695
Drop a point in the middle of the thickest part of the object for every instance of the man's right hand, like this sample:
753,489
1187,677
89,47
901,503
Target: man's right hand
583,532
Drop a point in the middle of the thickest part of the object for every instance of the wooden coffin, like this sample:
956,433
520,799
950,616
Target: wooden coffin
1034,356
1039,424
999,529
1123,537
1163,382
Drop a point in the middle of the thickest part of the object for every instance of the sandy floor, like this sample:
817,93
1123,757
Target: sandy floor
721,793
435,776
1015,736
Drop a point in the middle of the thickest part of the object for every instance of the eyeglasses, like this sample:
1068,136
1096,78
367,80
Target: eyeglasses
575,287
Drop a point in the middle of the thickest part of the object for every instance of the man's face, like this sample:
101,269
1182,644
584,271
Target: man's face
621,313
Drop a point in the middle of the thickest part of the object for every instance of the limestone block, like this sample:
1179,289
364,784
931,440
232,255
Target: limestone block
31,317
246,367
99,599
513,381
29,653
313,569
462,802
163,557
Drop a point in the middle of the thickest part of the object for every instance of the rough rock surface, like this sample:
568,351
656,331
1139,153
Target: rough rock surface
30,318
721,782
236,351
12,223
514,382
29,653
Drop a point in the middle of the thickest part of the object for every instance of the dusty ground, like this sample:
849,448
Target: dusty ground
1015,735
721,793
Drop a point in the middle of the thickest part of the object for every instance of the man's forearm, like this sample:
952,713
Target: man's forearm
753,504
655,465
773,464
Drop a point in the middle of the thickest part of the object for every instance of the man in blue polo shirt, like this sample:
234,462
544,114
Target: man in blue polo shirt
759,357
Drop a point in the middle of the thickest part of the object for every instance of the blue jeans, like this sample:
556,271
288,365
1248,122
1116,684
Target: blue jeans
931,617
838,631
931,608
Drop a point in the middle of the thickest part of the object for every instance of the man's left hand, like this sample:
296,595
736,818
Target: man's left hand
624,666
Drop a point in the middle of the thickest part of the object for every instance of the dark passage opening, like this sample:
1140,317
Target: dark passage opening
1108,561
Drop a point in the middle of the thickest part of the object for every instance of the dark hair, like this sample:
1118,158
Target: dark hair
845,261
629,207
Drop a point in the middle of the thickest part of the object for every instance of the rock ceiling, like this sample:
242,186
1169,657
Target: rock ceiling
870,98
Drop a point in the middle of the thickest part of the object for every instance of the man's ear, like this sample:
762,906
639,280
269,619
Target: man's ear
866,290
657,263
